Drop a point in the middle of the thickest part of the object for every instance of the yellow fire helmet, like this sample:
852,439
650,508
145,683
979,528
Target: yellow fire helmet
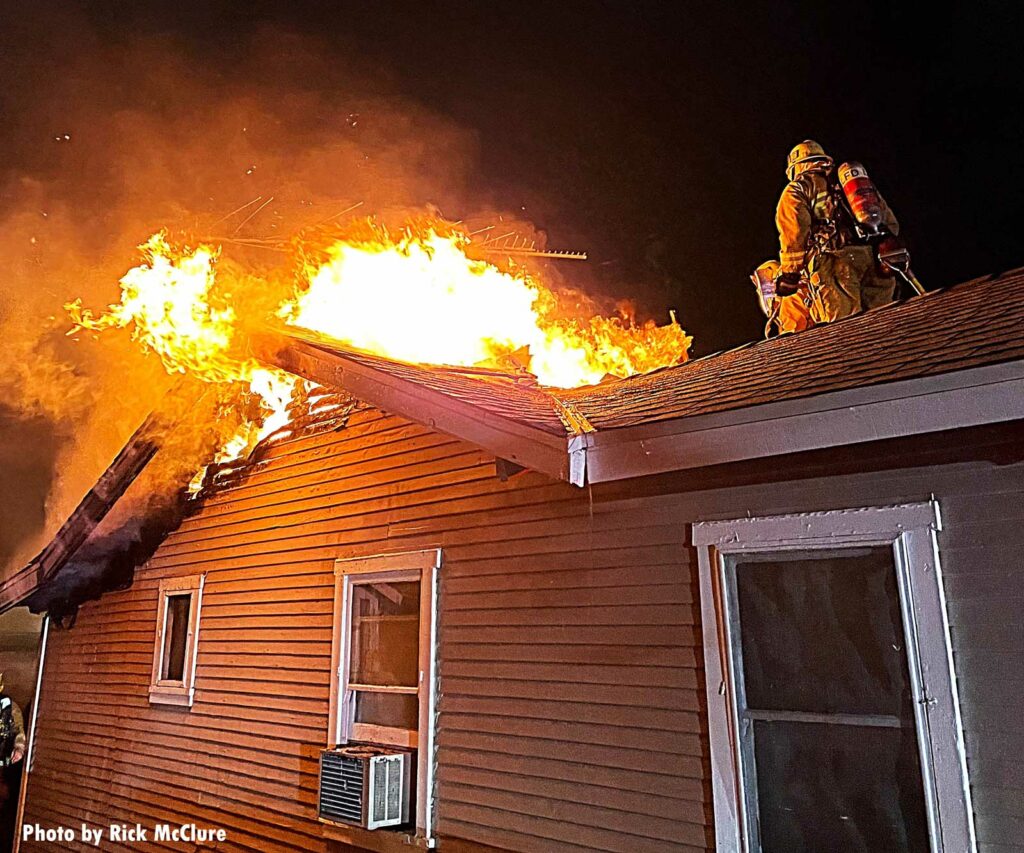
807,151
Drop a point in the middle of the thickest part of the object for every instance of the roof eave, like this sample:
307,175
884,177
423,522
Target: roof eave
506,438
960,399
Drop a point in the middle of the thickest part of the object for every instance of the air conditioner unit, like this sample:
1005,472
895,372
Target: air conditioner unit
365,785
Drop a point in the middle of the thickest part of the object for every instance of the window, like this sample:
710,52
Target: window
177,635
385,660
833,715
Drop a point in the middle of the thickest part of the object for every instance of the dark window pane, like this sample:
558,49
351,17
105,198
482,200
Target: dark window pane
823,634
176,637
855,789
398,710
385,634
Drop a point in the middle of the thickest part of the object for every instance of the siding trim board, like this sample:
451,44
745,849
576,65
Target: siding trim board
983,395
911,531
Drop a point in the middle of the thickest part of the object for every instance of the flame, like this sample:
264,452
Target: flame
166,301
422,298
418,298
170,304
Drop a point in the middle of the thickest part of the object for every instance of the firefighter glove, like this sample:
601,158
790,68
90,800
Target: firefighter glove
787,283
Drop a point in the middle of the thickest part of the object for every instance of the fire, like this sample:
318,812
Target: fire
170,304
166,302
422,298
418,298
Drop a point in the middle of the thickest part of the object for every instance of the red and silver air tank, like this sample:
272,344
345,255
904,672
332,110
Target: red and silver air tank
863,199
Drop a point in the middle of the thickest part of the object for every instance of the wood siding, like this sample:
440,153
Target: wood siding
571,682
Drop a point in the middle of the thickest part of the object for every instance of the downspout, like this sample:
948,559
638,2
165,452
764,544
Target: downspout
578,445
30,748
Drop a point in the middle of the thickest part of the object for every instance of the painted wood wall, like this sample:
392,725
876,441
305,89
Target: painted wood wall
552,736
570,714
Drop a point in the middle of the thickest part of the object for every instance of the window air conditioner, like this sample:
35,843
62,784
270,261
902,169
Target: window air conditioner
365,785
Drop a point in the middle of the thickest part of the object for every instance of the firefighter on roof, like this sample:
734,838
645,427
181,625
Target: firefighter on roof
822,235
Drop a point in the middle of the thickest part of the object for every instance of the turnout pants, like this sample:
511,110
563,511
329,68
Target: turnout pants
845,282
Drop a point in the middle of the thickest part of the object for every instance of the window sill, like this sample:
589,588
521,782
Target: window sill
170,696
380,840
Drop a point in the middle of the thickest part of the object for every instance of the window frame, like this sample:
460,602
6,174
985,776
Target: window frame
172,691
422,566
910,530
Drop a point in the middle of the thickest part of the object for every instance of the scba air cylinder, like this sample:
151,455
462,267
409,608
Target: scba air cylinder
863,198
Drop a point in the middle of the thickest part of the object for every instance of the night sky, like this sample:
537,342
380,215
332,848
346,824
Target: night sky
654,135
651,135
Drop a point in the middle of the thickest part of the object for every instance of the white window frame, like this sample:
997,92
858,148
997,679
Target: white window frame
174,692
910,531
422,566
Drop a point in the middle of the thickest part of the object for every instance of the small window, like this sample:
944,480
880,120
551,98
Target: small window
174,654
385,657
832,704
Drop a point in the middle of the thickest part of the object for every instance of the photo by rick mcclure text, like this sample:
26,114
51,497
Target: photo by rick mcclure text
121,833
764,599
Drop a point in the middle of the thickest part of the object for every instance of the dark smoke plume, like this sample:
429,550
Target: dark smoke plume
112,140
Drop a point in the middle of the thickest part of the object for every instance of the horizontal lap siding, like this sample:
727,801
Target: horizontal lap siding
570,664
572,689
980,547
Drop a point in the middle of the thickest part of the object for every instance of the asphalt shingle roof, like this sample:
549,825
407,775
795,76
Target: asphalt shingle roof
968,325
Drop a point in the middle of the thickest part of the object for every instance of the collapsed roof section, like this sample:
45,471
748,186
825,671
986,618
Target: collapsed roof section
947,360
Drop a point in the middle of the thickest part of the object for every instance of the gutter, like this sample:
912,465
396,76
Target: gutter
956,400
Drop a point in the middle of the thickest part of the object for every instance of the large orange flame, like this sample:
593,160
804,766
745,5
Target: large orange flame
170,305
418,298
421,298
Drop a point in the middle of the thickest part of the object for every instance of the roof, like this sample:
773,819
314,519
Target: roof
91,519
946,360
969,325
900,350
514,396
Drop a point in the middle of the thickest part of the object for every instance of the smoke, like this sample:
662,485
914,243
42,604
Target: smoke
107,141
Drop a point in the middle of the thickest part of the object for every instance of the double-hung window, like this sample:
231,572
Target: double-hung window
385,660
833,713
172,681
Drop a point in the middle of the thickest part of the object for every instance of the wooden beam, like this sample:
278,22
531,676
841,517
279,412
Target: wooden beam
133,458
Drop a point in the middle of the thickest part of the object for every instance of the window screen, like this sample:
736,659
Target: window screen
829,745
176,637
384,662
